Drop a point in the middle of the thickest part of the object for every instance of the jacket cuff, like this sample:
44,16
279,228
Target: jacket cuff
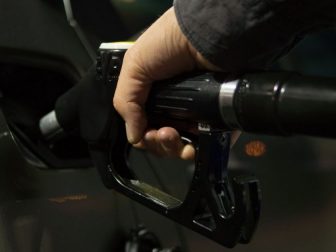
240,35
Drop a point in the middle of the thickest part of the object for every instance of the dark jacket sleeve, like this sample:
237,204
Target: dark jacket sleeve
250,34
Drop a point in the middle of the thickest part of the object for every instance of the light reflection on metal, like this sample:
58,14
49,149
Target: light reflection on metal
80,34
63,199
255,148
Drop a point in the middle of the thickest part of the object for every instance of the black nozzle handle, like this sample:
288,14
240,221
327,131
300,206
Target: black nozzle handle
276,103
190,98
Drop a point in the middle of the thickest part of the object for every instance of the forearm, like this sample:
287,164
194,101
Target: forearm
238,35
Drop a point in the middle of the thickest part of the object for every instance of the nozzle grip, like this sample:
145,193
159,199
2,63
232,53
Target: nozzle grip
188,98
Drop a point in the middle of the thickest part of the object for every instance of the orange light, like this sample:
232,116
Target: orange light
255,148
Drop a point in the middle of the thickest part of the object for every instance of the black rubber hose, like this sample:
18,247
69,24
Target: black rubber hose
286,104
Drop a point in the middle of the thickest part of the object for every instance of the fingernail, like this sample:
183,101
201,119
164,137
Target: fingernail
129,133
188,152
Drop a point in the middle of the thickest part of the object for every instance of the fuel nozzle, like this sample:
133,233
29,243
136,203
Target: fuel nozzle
84,109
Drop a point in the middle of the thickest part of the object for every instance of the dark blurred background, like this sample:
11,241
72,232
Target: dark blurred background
48,209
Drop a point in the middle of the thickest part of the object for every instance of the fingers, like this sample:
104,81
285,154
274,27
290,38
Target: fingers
166,142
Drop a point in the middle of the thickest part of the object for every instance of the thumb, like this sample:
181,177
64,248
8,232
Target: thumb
130,98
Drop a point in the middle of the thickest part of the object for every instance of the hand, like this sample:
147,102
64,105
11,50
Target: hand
161,52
